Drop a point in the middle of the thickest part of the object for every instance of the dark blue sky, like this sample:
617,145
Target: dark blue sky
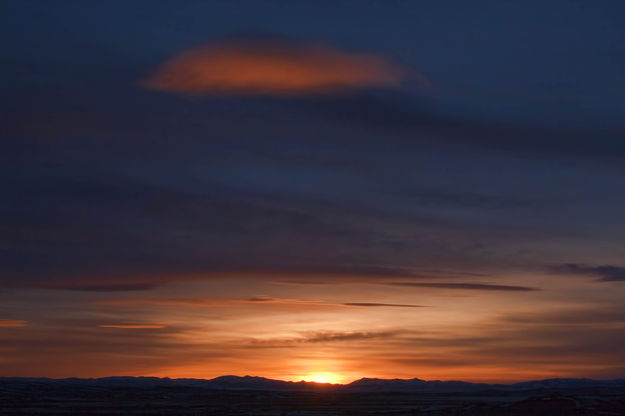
519,137
558,63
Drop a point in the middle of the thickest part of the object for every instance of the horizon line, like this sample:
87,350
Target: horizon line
505,383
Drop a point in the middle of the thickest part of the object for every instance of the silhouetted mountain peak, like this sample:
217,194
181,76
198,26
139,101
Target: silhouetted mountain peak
231,382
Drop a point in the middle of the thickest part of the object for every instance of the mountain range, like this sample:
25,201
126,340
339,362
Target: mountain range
362,385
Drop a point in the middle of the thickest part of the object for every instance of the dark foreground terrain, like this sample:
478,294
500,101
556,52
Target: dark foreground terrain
41,397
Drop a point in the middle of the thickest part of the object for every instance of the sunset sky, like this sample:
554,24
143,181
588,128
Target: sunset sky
313,190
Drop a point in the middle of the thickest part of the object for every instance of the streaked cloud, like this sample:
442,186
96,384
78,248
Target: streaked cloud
122,287
279,68
603,273
157,325
12,323
576,316
375,305
348,336
260,300
317,337
211,302
467,286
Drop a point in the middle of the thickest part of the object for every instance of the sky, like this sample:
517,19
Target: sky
313,190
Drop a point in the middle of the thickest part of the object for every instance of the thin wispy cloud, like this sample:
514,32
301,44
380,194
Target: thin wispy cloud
377,305
467,286
318,337
574,316
602,273
134,326
211,302
12,323
348,336
130,287
256,300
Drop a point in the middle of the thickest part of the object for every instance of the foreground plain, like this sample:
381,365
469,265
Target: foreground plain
50,397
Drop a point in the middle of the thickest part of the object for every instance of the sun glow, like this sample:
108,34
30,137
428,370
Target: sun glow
323,378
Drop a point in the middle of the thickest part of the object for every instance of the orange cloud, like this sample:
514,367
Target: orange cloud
155,325
11,323
274,68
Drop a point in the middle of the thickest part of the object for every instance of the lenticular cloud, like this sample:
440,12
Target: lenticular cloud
274,68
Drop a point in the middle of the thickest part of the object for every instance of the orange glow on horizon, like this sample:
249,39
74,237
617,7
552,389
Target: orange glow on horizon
324,378
229,326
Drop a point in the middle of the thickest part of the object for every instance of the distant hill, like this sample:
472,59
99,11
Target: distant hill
416,385
358,386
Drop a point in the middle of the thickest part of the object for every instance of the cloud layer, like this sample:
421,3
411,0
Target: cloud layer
467,286
274,68
12,323
603,273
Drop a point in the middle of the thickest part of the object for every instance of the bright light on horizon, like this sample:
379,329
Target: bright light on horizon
324,377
